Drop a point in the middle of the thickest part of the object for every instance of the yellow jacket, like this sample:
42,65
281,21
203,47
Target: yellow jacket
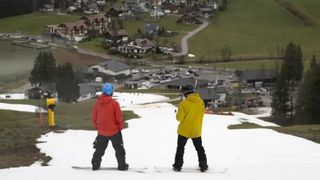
190,115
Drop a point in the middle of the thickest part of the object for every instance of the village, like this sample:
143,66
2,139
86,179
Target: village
220,88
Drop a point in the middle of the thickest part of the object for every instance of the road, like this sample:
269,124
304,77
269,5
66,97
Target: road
184,41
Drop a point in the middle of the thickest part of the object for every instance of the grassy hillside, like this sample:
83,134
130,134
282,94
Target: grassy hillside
34,23
310,132
257,28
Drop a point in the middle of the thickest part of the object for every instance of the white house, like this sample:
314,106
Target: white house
112,68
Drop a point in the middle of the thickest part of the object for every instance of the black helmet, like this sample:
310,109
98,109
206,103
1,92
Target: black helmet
188,89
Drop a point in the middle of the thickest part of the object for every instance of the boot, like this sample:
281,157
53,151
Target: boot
203,166
177,165
95,166
123,167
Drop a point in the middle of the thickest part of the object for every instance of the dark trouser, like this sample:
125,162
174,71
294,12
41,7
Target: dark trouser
101,143
197,142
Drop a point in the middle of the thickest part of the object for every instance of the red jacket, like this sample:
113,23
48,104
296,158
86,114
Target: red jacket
106,116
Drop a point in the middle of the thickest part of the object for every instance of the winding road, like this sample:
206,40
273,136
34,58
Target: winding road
184,41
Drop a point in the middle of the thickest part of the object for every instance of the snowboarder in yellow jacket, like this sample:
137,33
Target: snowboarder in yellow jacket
190,115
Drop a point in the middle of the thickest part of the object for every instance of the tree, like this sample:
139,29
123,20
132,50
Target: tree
308,100
292,69
67,84
44,69
280,97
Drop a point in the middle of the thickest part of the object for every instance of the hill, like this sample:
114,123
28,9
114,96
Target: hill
33,24
259,28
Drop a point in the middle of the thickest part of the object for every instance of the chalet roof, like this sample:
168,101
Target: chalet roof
96,17
75,25
114,66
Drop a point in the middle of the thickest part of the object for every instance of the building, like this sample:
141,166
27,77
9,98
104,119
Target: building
259,75
88,90
138,46
189,19
112,68
117,36
179,83
151,28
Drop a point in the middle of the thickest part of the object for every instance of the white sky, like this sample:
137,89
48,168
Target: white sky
254,154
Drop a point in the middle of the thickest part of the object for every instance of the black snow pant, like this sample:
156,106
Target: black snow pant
101,144
197,142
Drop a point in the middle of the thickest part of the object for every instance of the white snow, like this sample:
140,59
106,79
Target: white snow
254,154
21,107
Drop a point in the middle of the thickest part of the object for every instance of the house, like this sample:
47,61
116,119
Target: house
169,8
131,85
92,9
47,8
45,90
118,36
156,13
53,29
112,12
208,95
259,75
80,29
88,90
138,46
101,2
206,12
132,6
74,30
213,4
97,22
112,68
221,91
151,28
189,19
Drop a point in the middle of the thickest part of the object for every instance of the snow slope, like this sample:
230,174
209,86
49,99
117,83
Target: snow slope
21,107
254,154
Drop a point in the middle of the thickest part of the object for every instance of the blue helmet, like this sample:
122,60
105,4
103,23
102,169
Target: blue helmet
107,89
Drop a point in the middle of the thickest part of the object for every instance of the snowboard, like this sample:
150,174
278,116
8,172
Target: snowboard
191,170
137,170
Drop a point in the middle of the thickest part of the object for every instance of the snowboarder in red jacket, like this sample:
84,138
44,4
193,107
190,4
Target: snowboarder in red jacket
107,119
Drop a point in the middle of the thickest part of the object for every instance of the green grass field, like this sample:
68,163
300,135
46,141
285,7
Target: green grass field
257,28
34,23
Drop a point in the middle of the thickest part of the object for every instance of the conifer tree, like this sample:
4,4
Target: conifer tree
280,97
292,70
308,100
67,84
44,69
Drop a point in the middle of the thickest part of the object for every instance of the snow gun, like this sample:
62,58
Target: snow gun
51,103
